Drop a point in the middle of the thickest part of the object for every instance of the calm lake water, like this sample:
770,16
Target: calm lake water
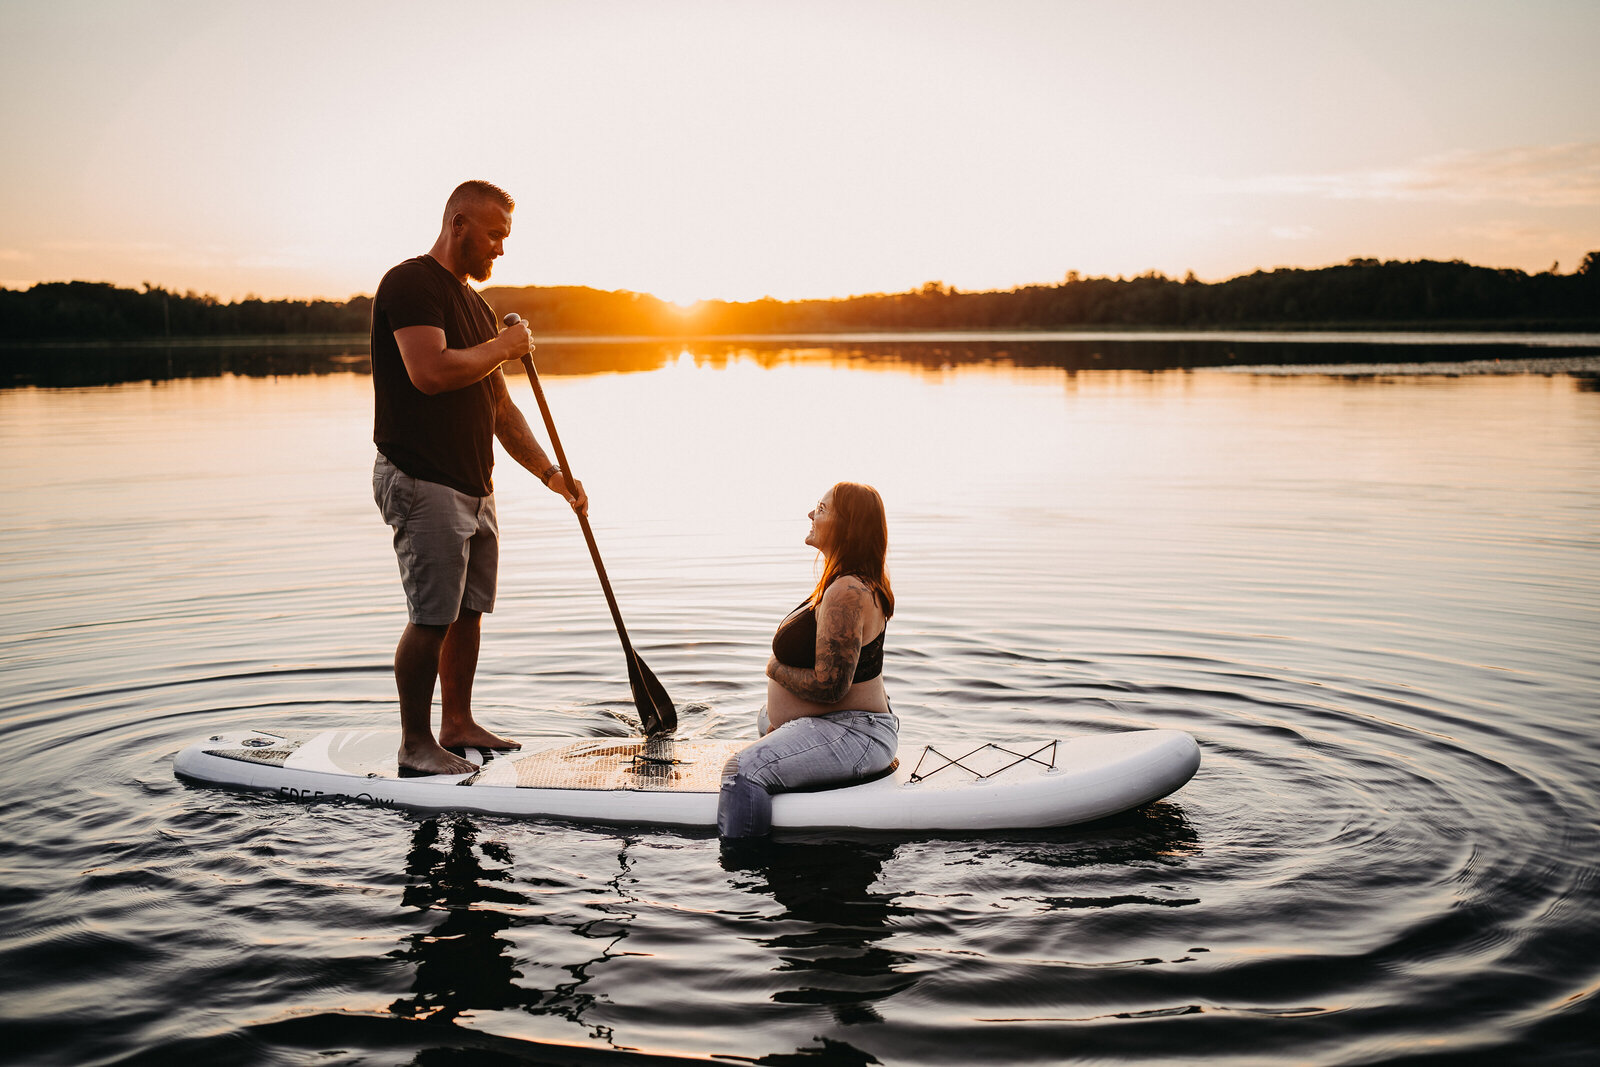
1372,595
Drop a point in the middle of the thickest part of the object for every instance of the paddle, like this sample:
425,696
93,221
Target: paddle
656,713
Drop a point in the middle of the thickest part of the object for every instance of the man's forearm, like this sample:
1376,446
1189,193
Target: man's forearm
516,436
435,369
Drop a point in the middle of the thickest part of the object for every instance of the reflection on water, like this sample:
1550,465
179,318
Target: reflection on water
465,963
827,941
461,964
824,940
1374,600
72,366
76,366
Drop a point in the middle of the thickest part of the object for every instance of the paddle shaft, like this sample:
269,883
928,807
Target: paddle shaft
583,520
656,713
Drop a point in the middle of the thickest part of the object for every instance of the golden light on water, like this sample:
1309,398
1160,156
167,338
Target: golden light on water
701,471
1372,601
736,448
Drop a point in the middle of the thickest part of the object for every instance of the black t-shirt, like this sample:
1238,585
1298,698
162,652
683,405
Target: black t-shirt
449,437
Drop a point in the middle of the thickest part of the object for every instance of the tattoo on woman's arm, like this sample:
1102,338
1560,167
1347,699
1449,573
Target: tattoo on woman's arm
838,649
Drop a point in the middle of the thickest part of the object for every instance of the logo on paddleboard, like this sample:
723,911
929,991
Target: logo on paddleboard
258,742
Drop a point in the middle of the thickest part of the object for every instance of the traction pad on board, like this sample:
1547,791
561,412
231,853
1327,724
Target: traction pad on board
263,748
679,766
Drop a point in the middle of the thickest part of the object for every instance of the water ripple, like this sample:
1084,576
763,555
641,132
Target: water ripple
1376,625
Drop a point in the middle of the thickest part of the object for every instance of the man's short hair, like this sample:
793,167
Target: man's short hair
468,193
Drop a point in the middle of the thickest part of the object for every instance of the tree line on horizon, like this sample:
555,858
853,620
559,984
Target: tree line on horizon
1362,292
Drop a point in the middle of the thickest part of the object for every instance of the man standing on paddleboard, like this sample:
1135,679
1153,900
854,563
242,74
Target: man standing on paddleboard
441,400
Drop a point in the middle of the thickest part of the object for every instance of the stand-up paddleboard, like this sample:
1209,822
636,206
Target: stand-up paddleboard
946,786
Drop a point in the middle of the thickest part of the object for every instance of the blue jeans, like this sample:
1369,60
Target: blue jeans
833,749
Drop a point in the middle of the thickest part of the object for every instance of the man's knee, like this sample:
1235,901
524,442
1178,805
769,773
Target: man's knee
422,635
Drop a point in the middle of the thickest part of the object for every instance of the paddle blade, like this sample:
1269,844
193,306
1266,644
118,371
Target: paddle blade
656,713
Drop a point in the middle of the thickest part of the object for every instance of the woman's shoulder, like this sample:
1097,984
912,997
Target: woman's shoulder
851,589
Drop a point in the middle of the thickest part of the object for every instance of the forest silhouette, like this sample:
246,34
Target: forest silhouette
1422,294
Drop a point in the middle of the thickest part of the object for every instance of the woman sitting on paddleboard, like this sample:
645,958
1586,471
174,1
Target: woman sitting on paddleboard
827,719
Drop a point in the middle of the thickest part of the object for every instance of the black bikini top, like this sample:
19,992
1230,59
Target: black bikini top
795,643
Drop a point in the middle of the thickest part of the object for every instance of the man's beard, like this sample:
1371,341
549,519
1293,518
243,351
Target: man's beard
484,269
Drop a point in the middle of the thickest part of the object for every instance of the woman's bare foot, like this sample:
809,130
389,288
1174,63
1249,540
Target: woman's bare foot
435,760
474,736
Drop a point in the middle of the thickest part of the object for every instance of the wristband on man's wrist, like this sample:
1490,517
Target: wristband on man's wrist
550,472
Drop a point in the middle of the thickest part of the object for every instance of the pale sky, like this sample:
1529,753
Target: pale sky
733,150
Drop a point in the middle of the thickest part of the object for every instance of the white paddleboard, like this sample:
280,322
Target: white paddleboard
941,786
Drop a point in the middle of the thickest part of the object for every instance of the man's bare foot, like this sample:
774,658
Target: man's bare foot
421,761
474,736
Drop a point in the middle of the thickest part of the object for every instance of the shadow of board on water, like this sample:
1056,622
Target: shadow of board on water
830,930
465,964
78,366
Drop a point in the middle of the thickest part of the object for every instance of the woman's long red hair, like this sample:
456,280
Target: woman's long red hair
860,543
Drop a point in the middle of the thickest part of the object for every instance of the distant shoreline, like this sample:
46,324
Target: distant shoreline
1361,296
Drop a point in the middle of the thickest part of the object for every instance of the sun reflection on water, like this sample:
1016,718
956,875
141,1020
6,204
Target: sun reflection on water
1373,602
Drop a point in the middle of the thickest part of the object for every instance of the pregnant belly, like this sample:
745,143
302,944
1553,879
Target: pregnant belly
783,705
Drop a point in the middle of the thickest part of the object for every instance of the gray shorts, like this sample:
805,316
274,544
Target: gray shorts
448,544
